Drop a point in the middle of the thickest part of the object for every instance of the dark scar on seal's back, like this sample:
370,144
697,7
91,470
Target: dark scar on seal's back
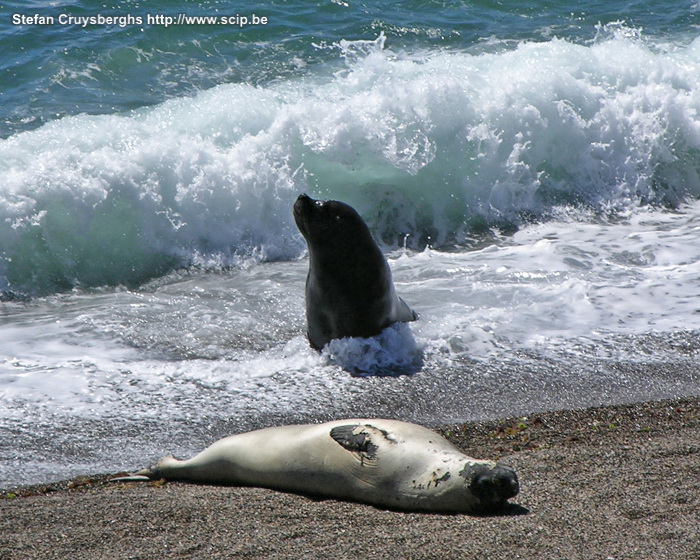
358,443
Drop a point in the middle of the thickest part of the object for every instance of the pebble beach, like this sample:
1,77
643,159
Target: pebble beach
618,482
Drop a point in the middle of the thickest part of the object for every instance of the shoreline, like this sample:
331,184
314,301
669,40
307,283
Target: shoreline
607,482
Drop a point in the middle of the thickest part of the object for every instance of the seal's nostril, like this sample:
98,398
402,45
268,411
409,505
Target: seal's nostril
513,486
493,485
505,482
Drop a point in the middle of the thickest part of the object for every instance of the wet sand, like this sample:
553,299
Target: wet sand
614,482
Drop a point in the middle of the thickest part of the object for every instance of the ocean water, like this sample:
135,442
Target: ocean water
532,173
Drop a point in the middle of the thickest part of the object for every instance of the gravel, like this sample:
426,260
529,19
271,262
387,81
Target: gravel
606,483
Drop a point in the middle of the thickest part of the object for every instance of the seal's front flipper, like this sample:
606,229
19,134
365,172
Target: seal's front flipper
355,438
403,313
362,439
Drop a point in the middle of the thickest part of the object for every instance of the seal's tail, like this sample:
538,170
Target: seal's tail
135,477
144,475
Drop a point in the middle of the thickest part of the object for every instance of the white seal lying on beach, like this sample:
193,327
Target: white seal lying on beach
349,290
385,463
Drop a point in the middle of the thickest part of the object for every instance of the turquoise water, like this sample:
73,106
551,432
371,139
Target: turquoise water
131,149
68,68
532,171
50,71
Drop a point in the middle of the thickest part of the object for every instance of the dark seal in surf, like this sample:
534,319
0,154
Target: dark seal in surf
349,290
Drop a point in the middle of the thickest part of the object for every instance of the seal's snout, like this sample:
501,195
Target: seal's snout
493,486
300,211
301,202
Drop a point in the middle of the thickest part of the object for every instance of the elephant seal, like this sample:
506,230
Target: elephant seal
349,291
386,463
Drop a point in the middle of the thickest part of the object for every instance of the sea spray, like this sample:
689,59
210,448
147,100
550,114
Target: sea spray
429,148
190,143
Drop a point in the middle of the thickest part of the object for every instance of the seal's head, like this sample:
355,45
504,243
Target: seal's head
329,223
492,485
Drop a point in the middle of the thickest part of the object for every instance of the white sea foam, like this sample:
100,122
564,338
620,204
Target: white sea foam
427,146
586,149
560,314
557,282
550,288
